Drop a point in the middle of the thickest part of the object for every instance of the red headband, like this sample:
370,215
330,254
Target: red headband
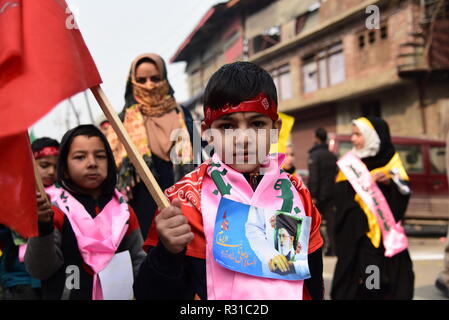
47,151
259,104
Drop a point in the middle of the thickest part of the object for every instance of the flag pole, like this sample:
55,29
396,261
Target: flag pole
37,177
39,184
136,159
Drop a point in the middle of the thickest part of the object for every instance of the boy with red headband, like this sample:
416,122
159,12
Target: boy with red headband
241,122
46,151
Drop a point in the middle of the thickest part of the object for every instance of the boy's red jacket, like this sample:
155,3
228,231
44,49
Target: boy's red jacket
188,190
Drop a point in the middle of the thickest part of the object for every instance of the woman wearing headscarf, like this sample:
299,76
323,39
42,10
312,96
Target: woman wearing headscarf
159,127
371,246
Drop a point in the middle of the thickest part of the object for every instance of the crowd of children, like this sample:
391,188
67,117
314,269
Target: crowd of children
234,229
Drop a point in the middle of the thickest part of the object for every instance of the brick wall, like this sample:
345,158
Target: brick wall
402,111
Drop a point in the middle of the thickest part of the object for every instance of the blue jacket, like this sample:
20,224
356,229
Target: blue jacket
13,272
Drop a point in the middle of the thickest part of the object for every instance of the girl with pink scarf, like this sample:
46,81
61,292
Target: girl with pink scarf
88,225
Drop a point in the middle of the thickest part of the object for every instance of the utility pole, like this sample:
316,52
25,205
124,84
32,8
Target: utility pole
89,108
74,111
67,119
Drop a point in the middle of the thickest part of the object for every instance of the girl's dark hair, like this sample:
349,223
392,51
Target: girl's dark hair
44,142
237,82
66,142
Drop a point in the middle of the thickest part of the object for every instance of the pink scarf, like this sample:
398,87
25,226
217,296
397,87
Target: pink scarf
222,283
393,234
98,238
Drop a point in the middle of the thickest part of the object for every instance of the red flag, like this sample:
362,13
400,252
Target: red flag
17,186
43,60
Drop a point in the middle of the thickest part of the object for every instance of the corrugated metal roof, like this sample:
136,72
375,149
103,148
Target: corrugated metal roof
212,23
187,41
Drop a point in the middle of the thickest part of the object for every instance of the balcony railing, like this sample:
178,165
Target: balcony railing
422,51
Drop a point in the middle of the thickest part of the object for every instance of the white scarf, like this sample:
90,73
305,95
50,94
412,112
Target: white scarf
372,140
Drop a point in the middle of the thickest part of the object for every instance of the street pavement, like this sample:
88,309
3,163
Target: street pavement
427,255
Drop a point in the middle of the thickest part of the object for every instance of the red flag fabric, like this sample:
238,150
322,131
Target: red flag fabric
17,186
43,60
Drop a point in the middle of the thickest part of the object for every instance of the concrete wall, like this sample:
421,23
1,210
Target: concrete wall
401,109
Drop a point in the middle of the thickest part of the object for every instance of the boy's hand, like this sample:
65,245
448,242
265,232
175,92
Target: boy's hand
44,210
173,228
280,263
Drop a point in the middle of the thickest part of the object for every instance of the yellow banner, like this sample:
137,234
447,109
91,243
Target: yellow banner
284,134
395,163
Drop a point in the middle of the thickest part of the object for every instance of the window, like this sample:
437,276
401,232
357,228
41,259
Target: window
361,41
372,36
310,76
300,23
267,39
283,81
336,65
383,32
323,69
344,147
369,37
438,160
412,158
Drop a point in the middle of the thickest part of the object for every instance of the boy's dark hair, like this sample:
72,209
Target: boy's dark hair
237,82
321,134
44,142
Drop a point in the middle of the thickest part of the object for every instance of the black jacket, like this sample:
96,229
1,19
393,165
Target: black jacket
355,251
322,172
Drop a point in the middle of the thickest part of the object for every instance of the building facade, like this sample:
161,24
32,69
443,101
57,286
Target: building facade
333,61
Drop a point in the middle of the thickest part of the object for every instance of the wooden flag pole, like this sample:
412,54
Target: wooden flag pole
37,177
39,184
133,154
